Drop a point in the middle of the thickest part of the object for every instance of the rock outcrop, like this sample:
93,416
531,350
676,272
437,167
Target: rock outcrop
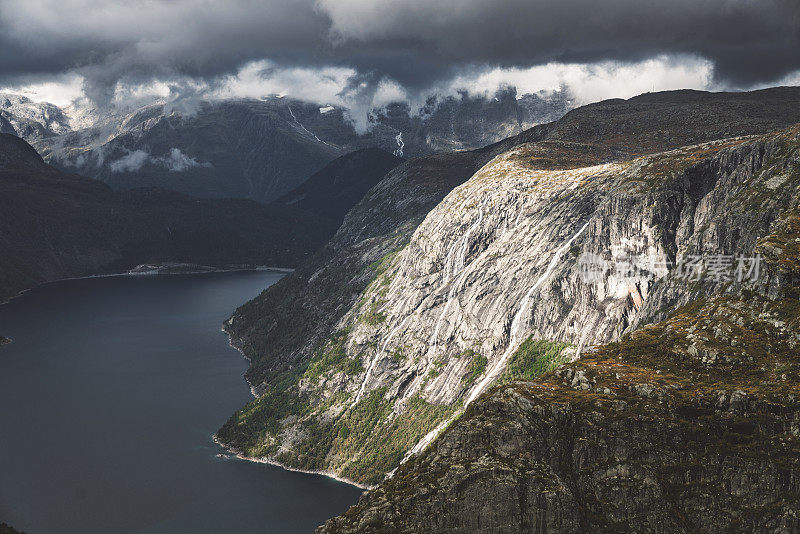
7,529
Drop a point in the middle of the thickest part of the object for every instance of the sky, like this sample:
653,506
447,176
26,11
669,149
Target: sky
366,53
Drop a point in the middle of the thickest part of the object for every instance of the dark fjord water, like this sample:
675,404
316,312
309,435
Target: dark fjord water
108,399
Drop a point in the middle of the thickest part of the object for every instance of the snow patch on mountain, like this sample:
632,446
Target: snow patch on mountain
27,116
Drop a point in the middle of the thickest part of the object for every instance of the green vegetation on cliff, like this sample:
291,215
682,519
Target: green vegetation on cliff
332,358
476,368
350,445
533,358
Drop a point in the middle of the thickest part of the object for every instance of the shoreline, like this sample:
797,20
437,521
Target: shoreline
255,268
198,269
231,344
329,474
241,456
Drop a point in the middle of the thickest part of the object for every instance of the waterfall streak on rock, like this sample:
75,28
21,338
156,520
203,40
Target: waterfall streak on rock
312,134
400,145
512,346
516,323
377,357
453,267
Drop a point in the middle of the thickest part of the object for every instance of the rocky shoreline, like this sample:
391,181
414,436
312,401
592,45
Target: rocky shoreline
194,268
253,391
238,454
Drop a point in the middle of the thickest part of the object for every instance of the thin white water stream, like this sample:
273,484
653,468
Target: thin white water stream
514,342
309,132
514,334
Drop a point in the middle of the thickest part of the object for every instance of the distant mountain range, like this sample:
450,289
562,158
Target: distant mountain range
258,149
55,225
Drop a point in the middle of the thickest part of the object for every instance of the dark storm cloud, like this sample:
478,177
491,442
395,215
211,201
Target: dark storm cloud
416,42
748,40
138,40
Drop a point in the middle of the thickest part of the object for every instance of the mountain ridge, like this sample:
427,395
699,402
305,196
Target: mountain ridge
58,225
263,148
332,191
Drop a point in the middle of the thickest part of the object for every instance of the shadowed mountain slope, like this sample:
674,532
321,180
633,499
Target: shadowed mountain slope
55,225
333,190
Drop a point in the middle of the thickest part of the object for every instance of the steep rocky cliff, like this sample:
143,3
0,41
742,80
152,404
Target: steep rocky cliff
687,425
292,333
411,312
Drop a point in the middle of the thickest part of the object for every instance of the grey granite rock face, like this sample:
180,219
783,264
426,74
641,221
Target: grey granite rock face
496,263
413,288
687,425
316,296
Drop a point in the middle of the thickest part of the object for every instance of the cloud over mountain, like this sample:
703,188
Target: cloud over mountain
402,48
